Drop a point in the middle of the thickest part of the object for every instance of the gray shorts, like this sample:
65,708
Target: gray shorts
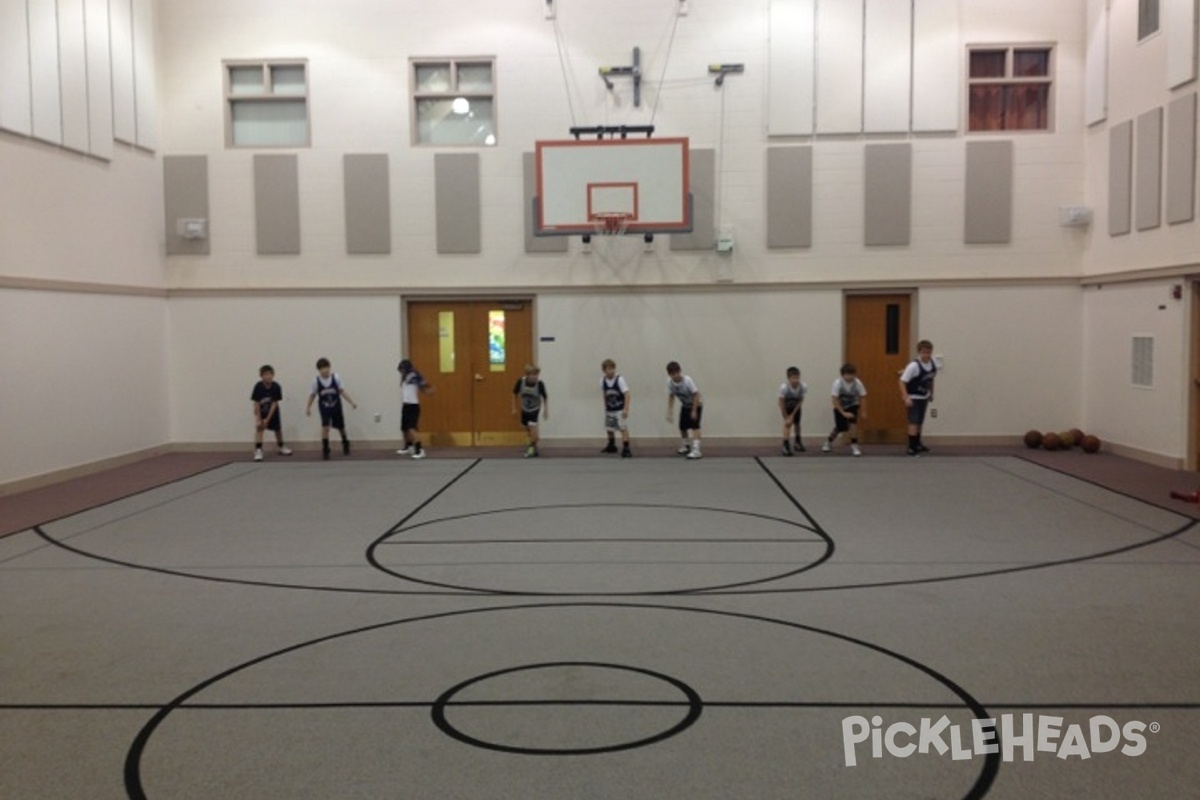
613,421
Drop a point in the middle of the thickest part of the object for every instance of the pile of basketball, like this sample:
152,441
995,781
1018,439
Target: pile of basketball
1062,441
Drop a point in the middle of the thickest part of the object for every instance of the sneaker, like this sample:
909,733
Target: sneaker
826,448
258,456
610,448
922,448
407,451
855,450
419,454
694,453
684,449
914,452
626,453
345,447
285,451
325,454
530,451
787,449
799,446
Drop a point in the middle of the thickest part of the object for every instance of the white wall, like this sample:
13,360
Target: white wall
1012,358
218,344
1152,420
86,379
359,102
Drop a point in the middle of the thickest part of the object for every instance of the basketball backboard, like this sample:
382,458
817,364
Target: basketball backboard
579,182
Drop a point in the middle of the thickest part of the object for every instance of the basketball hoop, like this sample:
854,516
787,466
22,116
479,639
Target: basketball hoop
611,223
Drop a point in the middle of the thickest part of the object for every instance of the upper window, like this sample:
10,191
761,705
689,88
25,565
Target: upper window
1147,18
1009,89
266,104
454,101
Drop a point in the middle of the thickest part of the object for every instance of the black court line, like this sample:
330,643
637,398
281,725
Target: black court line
1184,528
136,791
1084,503
756,704
399,529
592,540
1152,503
270,584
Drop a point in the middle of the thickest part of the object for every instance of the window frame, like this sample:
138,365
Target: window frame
1143,6
416,96
268,95
1009,48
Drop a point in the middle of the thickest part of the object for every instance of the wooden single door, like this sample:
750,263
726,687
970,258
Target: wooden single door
472,352
877,342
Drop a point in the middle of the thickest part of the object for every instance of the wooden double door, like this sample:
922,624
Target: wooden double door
878,343
472,352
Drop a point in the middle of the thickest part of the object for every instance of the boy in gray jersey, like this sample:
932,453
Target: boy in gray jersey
791,400
690,410
532,394
849,398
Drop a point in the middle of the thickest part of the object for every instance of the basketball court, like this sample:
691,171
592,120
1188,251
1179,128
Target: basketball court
587,627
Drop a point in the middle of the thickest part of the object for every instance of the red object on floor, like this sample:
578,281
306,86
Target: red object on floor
1191,497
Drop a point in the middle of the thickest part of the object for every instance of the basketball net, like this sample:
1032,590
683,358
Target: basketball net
611,223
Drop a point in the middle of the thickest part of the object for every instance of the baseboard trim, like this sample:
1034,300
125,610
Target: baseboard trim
82,470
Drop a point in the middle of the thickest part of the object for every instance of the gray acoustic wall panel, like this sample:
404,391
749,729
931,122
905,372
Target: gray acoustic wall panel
887,200
988,202
537,244
1120,178
1148,170
789,197
1181,160
185,197
702,182
277,204
456,185
368,203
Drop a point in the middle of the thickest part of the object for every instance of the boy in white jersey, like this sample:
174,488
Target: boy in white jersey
849,398
412,383
690,409
616,408
791,400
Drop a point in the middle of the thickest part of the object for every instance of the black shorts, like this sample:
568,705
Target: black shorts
332,418
916,412
529,418
687,422
789,406
273,424
843,423
410,416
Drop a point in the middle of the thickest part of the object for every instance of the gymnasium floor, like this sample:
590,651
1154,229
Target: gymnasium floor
586,627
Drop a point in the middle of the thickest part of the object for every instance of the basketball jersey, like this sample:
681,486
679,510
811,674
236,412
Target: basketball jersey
531,396
920,385
614,396
792,396
848,393
410,386
685,390
265,397
329,395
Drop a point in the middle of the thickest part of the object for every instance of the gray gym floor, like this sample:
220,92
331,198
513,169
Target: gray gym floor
599,628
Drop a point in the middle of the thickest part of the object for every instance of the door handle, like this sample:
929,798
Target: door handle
478,377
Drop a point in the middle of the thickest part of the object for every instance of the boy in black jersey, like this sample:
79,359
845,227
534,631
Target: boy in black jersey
616,408
266,397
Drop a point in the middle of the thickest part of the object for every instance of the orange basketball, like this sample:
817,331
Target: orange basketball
1052,441
1033,439
1091,444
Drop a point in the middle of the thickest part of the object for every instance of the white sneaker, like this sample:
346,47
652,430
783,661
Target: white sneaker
826,448
419,454
407,451
285,451
684,449
258,456
695,453
855,450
